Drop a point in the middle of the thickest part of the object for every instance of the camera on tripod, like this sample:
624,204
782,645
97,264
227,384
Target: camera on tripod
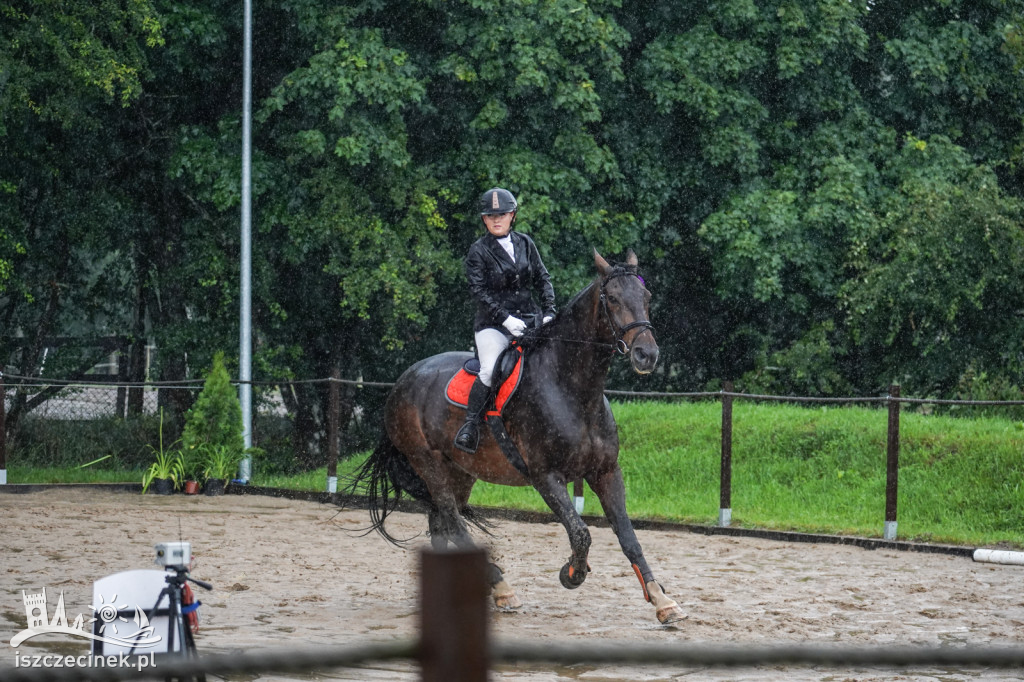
174,555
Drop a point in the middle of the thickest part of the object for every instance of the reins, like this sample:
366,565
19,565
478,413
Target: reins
620,345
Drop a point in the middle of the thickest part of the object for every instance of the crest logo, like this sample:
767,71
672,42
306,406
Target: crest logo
108,614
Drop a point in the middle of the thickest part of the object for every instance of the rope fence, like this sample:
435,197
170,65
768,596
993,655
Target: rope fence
454,645
642,654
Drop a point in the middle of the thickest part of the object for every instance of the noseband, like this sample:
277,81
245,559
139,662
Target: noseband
620,332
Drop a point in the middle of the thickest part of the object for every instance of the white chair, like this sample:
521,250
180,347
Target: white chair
123,607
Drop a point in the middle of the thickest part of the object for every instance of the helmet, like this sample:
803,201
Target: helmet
497,200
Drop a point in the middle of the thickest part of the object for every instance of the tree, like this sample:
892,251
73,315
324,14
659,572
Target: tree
940,294
68,69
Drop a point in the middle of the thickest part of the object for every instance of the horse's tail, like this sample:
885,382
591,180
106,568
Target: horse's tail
382,481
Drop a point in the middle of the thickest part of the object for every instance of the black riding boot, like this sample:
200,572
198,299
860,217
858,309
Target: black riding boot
468,436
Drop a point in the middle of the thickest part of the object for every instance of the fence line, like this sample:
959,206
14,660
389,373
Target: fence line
505,651
658,395
454,645
893,400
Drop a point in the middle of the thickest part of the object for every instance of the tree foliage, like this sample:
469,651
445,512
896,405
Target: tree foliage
824,194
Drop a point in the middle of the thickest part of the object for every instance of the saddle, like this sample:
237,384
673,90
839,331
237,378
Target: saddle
508,371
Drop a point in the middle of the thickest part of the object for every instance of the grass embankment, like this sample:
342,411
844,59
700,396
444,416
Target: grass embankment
816,470
798,468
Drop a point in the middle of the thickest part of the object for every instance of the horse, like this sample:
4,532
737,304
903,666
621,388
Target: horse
558,419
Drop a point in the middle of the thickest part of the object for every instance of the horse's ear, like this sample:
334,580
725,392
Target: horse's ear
631,258
602,264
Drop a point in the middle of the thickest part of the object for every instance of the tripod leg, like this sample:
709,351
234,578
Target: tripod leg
177,624
190,647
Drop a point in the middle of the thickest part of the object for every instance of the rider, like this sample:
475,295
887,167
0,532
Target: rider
504,269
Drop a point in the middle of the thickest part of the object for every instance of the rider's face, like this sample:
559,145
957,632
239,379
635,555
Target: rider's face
500,224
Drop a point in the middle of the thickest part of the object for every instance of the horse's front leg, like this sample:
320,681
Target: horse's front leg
611,491
552,487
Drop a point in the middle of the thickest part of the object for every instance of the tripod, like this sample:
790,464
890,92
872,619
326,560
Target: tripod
176,578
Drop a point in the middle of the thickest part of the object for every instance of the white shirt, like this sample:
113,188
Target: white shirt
506,243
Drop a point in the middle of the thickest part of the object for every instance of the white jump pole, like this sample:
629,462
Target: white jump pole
999,556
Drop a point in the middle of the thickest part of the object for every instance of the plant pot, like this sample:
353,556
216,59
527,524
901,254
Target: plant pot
214,486
162,486
191,487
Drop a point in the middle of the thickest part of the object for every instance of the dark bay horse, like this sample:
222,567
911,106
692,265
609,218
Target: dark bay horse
558,418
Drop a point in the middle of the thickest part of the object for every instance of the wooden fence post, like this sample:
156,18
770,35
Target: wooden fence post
454,616
725,484
577,495
333,408
3,431
892,463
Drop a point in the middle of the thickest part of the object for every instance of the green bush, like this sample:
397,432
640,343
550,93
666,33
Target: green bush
216,417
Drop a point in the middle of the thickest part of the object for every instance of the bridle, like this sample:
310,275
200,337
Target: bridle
620,332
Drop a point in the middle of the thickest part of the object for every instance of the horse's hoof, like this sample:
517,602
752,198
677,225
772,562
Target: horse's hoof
570,577
671,614
505,597
507,602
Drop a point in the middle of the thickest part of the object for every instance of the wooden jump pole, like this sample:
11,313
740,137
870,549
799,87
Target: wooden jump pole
892,463
454,614
725,481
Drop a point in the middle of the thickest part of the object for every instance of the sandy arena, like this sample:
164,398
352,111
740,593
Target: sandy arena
288,574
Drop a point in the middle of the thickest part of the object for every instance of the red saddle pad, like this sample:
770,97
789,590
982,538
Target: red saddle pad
457,391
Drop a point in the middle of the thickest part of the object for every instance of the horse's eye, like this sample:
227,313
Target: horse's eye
613,299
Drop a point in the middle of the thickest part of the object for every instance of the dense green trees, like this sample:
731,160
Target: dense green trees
825,194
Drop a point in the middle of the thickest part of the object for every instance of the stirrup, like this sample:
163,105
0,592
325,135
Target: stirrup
469,432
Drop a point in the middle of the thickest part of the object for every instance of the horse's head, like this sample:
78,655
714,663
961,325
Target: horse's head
626,303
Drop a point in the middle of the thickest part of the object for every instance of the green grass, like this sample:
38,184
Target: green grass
19,474
315,480
810,469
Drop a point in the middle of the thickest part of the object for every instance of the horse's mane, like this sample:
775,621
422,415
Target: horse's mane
534,337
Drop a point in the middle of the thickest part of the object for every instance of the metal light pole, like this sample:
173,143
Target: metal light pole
245,328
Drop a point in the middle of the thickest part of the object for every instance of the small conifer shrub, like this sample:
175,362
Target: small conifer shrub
215,419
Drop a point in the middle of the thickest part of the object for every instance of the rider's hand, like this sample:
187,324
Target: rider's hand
547,318
514,325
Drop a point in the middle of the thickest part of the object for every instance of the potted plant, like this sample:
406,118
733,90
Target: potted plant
221,463
163,474
191,470
166,470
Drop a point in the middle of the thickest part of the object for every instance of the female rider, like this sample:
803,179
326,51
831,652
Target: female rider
504,269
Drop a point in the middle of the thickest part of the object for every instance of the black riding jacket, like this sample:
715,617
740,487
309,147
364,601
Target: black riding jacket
501,287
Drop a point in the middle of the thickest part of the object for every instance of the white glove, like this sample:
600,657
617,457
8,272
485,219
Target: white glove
514,325
547,318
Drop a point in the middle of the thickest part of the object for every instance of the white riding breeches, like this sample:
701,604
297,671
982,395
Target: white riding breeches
489,344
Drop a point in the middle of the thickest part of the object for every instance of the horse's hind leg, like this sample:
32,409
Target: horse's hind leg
611,491
438,534
447,525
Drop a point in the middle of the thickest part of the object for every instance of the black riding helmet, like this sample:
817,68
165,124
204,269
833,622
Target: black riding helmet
496,201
